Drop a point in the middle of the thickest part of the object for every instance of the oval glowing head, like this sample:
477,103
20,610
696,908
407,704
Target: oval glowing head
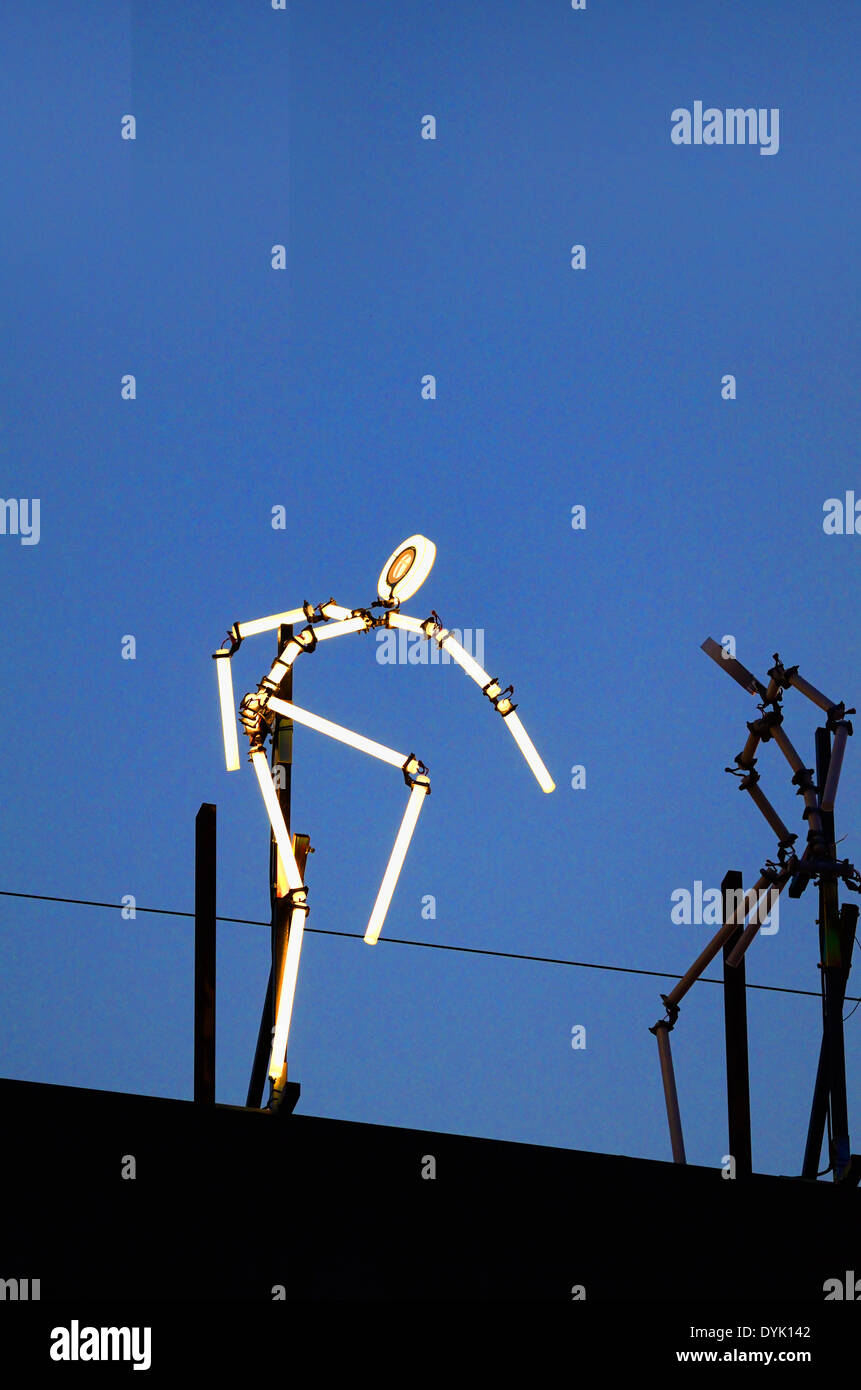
406,569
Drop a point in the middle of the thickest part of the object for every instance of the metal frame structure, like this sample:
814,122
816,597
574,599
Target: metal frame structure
819,864
263,710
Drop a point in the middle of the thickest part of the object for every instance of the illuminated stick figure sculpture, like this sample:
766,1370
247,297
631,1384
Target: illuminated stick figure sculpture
402,575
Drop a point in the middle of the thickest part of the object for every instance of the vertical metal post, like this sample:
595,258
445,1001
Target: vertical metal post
662,1033
204,954
282,764
819,1109
735,1026
831,957
254,1098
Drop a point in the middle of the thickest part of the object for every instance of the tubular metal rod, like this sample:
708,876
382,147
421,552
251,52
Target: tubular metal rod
760,800
747,756
787,749
733,668
839,748
668,1078
738,951
708,954
811,692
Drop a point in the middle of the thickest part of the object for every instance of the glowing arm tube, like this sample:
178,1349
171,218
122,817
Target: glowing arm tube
287,992
276,819
407,623
444,639
468,664
339,628
529,751
464,660
325,726
419,791
334,610
258,625
512,719
228,709
306,640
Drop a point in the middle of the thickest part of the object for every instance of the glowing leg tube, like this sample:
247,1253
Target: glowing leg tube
396,861
228,709
287,993
325,726
529,751
276,819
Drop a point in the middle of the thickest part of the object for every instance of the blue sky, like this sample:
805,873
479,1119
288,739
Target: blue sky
555,387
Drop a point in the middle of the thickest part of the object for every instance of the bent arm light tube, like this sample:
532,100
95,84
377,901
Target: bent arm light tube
287,993
325,726
228,710
334,610
464,660
405,621
445,640
529,751
396,862
258,625
276,819
337,629
289,652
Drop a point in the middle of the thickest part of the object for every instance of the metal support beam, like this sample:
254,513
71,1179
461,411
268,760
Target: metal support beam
735,1025
819,1108
832,972
204,954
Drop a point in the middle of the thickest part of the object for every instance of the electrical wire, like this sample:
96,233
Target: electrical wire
428,945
